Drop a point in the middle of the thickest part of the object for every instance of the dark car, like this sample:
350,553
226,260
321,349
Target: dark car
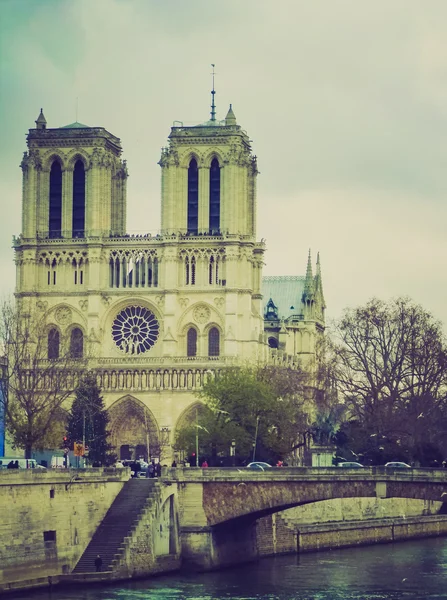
258,466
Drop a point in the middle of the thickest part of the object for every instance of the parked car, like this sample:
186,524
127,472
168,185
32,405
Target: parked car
258,466
350,465
397,465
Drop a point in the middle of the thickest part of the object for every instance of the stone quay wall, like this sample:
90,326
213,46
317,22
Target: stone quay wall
47,518
341,523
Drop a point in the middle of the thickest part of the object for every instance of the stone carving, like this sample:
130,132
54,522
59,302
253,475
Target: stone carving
230,334
106,299
201,314
169,337
93,337
169,158
219,302
83,304
183,302
159,299
41,305
63,315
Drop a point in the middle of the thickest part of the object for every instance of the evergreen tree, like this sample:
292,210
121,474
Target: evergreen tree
88,420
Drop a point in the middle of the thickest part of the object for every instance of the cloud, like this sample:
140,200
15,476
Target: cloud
345,102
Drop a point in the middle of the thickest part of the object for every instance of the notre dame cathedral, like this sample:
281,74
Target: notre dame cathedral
155,314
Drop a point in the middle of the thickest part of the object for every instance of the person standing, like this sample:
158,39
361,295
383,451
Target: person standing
98,563
204,464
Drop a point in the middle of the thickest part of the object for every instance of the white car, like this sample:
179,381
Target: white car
258,466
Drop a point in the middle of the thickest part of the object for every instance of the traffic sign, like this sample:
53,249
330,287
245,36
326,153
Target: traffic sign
78,449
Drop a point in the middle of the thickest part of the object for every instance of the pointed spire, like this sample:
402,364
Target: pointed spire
230,119
309,281
41,122
213,106
319,282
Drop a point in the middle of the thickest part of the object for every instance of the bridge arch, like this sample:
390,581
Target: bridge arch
252,497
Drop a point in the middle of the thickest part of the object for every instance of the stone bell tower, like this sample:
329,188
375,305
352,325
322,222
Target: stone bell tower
208,208
74,183
209,180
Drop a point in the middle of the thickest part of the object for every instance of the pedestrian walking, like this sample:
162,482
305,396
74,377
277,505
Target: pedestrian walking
98,563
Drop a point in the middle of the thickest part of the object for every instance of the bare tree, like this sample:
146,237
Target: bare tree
39,376
392,371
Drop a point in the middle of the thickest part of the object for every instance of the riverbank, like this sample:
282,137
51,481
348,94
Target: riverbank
276,536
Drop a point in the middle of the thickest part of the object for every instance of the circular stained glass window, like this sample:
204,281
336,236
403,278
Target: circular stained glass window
135,330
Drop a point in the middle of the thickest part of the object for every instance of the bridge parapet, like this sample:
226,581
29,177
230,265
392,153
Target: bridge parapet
228,474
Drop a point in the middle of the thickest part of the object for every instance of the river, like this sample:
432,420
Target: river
414,570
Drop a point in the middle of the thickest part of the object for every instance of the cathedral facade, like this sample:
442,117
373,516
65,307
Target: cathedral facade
154,315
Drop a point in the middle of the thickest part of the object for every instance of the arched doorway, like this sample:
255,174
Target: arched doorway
133,430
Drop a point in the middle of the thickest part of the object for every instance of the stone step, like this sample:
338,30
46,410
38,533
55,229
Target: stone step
122,517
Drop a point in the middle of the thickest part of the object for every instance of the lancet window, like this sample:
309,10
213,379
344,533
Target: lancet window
53,344
191,342
214,224
78,270
78,223
190,270
76,343
193,197
55,201
52,272
128,270
214,270
213,342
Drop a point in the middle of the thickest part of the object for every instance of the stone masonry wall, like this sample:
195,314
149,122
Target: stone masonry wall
348,522
48,518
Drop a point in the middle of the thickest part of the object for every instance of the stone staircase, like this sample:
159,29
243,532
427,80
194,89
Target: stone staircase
135,498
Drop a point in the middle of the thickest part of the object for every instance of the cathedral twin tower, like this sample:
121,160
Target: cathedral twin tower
153,315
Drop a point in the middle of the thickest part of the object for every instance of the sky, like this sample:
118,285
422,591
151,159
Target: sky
345,102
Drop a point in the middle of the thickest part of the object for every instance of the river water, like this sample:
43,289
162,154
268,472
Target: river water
414,570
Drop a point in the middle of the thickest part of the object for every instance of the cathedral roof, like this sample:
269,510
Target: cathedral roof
285,291
75,125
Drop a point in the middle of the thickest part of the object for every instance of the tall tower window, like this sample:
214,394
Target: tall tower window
191,342
213,342
53,344
193,197
214,196
78,224
76,343
55,212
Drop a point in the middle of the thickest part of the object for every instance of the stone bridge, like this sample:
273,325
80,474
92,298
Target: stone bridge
219,507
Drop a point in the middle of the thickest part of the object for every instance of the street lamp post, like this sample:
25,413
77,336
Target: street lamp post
233,452
197,437
256,439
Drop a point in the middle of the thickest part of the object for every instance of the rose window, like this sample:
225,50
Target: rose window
135,330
